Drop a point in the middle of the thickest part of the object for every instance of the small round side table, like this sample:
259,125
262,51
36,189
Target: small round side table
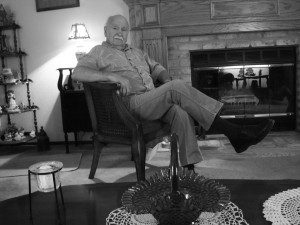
48,179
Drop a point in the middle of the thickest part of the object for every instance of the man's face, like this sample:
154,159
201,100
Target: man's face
116,31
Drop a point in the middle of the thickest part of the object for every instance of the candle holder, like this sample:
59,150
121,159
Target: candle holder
48,179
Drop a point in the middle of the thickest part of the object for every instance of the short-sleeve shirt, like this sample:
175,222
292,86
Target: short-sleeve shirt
130,63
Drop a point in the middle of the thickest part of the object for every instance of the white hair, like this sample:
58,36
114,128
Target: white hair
111,18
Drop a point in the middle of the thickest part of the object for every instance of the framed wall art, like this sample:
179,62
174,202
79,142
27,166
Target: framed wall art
45,5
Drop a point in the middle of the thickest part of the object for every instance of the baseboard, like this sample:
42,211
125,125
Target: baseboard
59,143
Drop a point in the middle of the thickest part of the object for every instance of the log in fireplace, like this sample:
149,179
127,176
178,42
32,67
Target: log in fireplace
253,83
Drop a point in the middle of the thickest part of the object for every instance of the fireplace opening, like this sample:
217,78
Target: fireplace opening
253,83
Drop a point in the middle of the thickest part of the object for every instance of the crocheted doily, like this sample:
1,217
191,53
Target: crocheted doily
283,208
231,215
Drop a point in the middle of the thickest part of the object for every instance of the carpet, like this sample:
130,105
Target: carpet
18,164
276,157
90,204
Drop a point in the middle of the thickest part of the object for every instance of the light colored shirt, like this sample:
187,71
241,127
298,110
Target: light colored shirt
130,63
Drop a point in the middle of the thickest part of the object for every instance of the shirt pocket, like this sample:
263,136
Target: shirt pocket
141,64
115,64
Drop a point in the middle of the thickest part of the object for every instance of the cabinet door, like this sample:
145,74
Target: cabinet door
75,113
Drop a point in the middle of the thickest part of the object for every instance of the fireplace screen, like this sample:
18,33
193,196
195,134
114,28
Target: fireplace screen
249,90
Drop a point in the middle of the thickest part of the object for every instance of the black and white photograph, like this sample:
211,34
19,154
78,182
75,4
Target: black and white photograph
157,112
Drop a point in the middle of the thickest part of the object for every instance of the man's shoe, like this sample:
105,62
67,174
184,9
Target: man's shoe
189,168
251,135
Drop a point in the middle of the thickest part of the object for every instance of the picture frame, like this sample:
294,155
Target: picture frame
45,5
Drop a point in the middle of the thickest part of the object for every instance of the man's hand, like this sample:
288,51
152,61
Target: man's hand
125,85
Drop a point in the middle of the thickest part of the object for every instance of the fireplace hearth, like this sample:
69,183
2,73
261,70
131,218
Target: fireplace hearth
253,83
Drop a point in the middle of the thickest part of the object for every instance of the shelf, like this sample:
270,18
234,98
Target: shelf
10,26
25,140
12,54
252,77
18,82
18,112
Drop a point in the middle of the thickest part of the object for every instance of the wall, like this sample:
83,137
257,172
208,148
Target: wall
44,37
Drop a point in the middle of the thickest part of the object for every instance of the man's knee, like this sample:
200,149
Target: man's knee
177,84
176,113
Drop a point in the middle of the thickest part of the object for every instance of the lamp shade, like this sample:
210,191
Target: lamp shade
78,31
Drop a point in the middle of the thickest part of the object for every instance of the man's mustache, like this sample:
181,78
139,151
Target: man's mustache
119,37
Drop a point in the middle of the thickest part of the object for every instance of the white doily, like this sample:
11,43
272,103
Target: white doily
231,215
283,208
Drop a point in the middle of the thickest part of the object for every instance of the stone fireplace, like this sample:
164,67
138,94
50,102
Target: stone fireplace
170,29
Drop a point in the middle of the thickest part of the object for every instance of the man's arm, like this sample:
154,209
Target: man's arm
85,74
164,77
157,71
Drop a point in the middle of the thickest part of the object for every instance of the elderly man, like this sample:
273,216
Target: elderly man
174,102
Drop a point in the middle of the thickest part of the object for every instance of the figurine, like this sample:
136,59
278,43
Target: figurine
241,73
8,76
17,137
249,72
42,140
32,133
12,105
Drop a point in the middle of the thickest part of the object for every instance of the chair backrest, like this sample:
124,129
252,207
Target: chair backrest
104,115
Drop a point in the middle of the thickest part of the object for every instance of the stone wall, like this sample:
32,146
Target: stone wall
179,47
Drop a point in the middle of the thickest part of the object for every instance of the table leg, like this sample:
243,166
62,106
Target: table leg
29,188
56,199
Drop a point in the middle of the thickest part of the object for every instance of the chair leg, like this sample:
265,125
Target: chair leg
76,138
138,151
98,146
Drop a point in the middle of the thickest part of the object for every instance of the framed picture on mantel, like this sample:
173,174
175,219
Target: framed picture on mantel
45,5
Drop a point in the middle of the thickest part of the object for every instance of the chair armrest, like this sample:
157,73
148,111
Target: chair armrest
128,119
69,85
106,85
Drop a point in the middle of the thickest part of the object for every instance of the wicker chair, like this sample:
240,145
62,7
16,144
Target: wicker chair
112,122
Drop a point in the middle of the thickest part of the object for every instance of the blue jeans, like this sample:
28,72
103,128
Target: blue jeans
177,103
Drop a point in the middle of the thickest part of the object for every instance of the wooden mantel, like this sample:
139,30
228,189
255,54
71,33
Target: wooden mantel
153,21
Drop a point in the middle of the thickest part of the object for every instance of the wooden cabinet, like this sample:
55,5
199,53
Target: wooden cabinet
13,77
75,115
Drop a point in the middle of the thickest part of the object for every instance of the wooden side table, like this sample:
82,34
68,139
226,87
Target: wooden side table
75,114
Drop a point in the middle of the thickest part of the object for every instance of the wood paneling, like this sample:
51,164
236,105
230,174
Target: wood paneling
151,14
243,8
230,28
184,12
154,49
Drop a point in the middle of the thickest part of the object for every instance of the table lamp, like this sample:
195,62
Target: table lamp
79,32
